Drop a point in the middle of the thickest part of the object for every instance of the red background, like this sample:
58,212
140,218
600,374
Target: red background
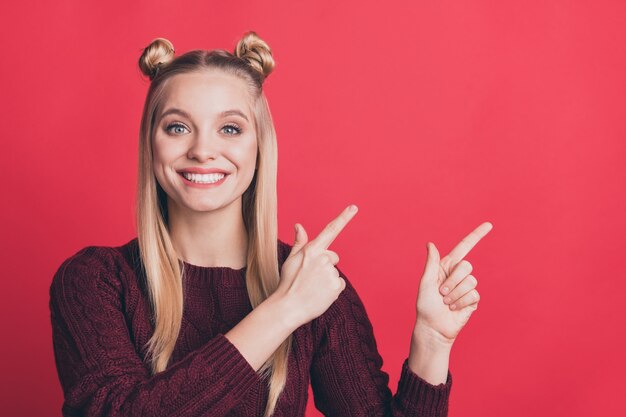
431,116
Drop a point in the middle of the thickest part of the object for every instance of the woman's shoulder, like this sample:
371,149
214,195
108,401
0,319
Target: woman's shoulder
95,263
103,257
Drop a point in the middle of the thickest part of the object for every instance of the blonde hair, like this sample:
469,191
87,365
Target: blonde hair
252,61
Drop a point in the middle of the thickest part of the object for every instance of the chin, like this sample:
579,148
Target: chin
204,204
204,207
209,205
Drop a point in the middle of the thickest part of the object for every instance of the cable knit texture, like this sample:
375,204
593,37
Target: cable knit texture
101,321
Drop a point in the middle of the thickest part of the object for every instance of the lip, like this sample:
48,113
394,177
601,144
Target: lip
197,170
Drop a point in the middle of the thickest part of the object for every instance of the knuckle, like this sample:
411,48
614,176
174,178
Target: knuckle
446,263
333,227
334,258
329,271
467,266
473,281
322,260
308,251
453,295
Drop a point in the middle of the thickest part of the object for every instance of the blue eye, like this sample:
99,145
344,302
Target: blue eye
231,130
175,125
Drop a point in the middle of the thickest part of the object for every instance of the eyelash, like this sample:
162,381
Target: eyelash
230,125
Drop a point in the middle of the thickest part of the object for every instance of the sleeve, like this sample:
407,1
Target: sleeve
346,375
101,373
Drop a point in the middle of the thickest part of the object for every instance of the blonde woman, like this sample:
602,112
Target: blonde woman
207,312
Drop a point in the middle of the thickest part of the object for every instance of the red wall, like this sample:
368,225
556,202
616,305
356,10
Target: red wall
431,116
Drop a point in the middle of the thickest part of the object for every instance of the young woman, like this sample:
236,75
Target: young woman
207,312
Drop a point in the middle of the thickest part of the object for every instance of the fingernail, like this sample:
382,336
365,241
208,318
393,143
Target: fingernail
453,306
352,208
445,290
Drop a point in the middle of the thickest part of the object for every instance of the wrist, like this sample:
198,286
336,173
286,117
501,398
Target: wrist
429,358
283,311
429,339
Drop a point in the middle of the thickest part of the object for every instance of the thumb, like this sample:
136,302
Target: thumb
432,262
300,240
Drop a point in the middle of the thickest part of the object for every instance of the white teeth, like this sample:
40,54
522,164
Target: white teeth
203,178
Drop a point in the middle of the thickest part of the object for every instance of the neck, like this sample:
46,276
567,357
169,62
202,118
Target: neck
215,238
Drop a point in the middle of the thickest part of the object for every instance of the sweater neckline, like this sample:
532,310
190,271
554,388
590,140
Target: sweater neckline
198,268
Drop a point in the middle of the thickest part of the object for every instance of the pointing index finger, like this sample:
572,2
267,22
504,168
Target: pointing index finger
468,242
332,229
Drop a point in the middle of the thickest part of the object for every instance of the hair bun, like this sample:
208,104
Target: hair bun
256,52
159,52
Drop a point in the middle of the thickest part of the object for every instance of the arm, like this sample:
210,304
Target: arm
101,373
262,331
346,373
428,357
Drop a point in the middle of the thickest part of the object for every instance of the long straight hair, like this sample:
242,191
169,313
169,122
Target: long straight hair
163,269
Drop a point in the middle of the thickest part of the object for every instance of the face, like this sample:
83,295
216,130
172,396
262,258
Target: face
204,143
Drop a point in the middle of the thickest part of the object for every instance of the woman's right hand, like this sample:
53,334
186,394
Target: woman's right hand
309,281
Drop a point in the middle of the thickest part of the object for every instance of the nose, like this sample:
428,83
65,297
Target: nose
204,146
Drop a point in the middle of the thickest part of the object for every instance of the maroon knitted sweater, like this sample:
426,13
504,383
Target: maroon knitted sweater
101,321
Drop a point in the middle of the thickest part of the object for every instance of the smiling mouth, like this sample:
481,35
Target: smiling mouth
203,178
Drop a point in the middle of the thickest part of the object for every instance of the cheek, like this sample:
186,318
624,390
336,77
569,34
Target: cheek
160,150
165,152
157,152
162,155
246,156
252,154
252,157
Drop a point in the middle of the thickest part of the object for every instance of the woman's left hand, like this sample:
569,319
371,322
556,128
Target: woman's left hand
447,293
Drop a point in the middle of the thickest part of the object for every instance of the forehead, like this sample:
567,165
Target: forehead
203,94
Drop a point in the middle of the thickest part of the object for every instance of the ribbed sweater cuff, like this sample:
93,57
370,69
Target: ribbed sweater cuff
234,368
417,394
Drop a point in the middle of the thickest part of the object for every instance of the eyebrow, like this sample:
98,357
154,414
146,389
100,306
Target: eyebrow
225,113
